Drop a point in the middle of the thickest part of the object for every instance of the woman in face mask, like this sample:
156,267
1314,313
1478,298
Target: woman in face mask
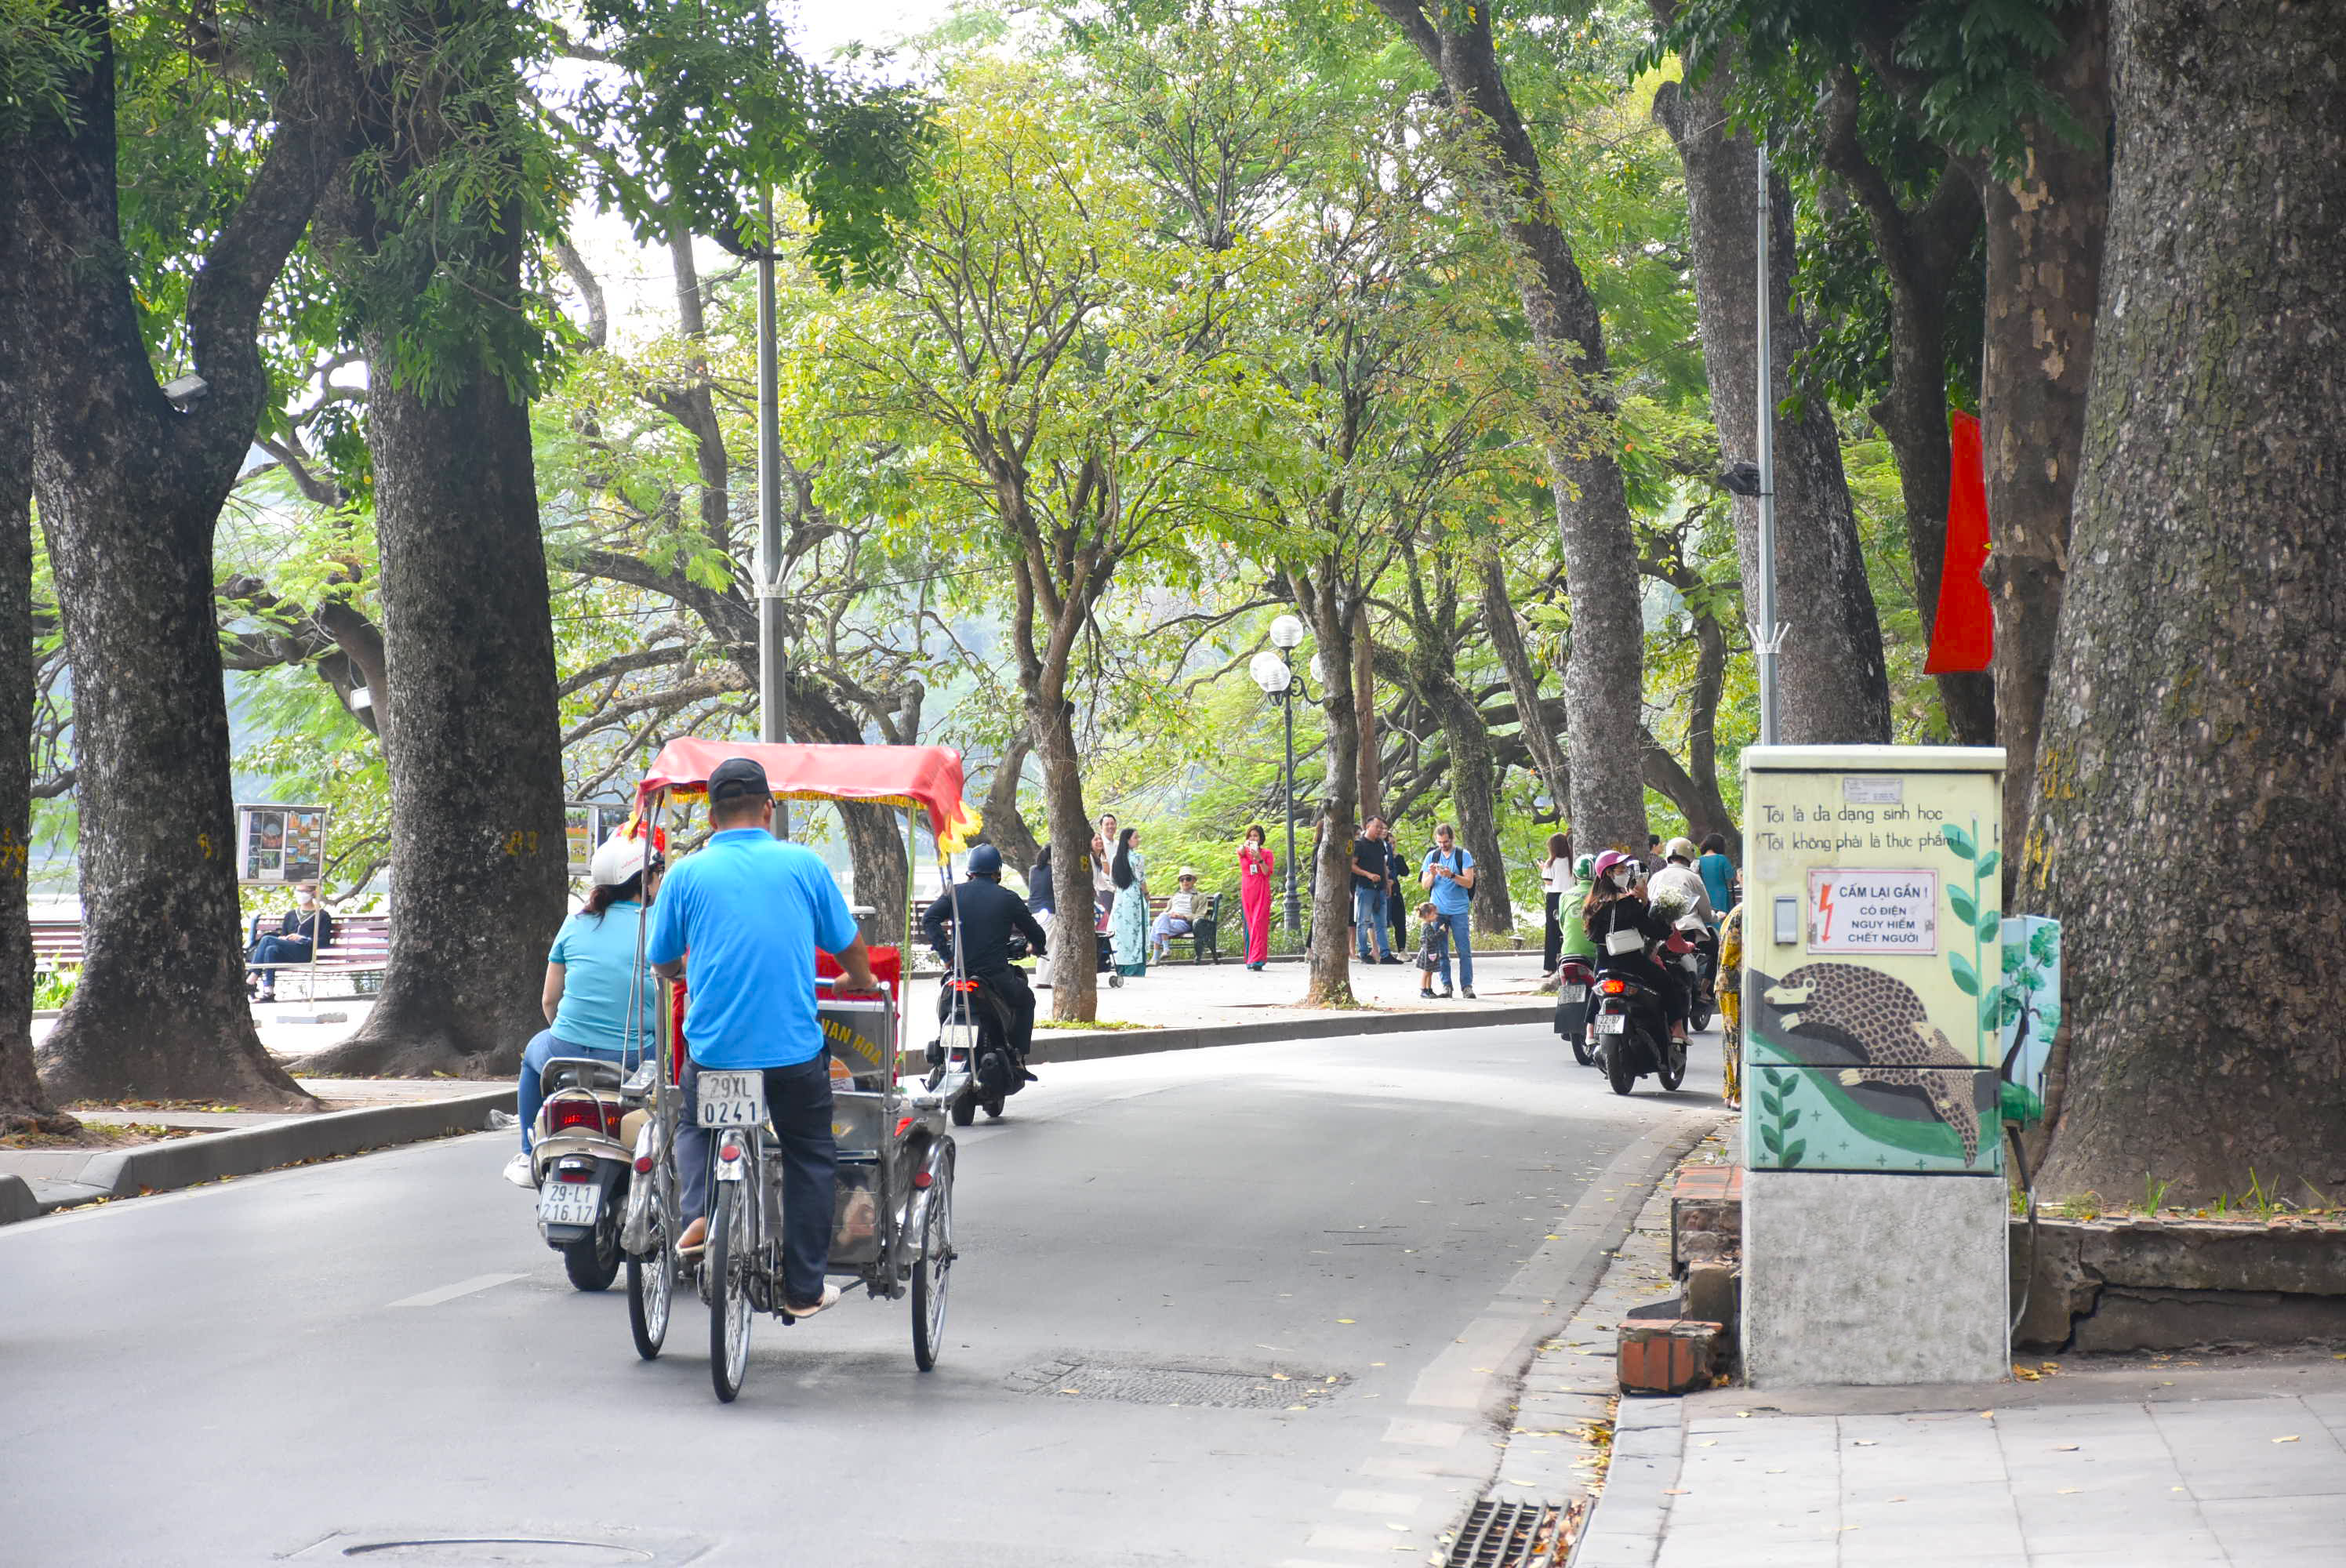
1617,905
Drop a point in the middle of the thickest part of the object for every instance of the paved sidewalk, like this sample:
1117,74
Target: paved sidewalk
2131,1464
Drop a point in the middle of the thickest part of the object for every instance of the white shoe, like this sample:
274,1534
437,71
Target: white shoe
519,1172
829,1298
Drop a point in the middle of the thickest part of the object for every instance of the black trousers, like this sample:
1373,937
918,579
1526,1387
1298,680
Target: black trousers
1551,943
798,1105
1010,985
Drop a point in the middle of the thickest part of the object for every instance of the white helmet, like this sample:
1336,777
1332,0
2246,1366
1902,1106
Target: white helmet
617,858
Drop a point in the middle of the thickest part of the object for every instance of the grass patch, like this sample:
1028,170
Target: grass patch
1091,1024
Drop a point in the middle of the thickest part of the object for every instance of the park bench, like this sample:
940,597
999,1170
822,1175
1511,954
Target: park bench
359,953
1205,934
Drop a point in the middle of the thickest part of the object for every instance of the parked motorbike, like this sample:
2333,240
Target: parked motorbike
1700,963
1633,1036
1576,982
582,1150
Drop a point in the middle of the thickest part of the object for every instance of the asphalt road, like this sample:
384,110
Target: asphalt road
315,1364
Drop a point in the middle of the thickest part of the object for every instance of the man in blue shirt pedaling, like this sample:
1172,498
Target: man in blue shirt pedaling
750,910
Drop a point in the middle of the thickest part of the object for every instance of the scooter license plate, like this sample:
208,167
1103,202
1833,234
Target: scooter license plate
1574,993
1612,1023
569,1202
731,1099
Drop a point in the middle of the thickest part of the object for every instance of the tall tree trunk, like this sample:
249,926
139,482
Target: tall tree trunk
2188,798
1006,825
1920,251
1604,680
470,733
2044,274
1522,683
129,489
1075,961
1364,707
24,1105
1321,596
1832,684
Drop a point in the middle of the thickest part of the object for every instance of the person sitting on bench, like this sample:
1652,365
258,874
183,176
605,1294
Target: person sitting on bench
1180,914
305,928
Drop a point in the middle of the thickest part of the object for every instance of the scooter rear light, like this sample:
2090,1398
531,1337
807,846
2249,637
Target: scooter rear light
902,1122
1616,987
922,1178
581,1175
594,1115
964,985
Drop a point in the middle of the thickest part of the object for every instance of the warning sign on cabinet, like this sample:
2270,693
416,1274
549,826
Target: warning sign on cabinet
1873,912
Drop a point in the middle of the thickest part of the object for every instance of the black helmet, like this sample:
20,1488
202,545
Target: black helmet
984,861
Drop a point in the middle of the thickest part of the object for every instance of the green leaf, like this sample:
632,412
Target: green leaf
1793,1151
1769,1137
1791,1120
1957,840
2045,943
1961,901
1991,925
1966,977
1988,862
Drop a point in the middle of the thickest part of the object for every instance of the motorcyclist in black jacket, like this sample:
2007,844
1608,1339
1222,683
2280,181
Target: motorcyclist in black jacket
988,914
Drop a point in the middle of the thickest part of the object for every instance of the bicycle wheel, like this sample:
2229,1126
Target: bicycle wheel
933,1272
651,1287
728,1296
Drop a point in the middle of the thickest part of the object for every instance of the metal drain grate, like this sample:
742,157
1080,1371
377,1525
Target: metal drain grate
1146,1385
1510,1535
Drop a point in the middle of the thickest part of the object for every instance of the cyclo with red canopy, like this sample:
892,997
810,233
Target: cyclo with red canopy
892,1217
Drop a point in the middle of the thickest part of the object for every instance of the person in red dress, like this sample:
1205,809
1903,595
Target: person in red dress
1255,865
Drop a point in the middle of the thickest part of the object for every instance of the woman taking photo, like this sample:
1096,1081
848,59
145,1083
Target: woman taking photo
1616,906
1127,918
1256,866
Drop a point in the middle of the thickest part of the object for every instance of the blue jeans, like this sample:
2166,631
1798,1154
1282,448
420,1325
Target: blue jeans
544,1047
798,1104
1450,928
278,950
1369,914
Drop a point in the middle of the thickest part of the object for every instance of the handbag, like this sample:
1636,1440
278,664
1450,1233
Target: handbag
1620,944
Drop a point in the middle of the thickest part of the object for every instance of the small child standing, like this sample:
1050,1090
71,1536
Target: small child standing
1432,942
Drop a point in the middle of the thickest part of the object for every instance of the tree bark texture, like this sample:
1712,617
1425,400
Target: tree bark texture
1475,794
1524,682
1364,706
1075,955
1326,607
1921,249
471,733
2043,275
1832,685
1604,679
2188,830
24,1105
129,489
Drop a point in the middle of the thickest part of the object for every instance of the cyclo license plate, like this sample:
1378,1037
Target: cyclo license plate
731,1099
1612,1023
1576,993
569,1202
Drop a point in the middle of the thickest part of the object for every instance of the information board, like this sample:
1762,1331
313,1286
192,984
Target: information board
280,843
584,825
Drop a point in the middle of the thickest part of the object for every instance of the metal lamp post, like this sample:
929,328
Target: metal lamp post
1276,675
773,671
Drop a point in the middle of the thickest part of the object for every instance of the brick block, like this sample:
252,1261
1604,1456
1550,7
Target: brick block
1668,1355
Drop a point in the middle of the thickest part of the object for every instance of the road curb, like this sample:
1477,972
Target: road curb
1143,1041
242,1151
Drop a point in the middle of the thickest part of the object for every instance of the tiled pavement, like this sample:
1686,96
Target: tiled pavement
2199,1469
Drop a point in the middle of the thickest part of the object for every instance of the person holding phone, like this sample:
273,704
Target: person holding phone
1448,876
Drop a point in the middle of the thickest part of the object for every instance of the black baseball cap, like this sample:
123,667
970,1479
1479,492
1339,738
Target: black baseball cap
737,778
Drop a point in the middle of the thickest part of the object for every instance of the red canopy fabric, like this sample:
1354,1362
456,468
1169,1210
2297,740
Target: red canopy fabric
1963,635
911,778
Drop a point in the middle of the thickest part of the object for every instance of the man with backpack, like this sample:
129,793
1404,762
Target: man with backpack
1448,875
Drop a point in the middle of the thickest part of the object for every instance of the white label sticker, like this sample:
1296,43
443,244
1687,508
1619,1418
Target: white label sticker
1873,912
1863,789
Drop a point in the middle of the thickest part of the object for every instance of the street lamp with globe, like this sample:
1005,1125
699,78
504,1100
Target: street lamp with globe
1276,675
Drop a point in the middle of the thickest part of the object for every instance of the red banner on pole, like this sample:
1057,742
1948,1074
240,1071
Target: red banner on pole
1963,636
